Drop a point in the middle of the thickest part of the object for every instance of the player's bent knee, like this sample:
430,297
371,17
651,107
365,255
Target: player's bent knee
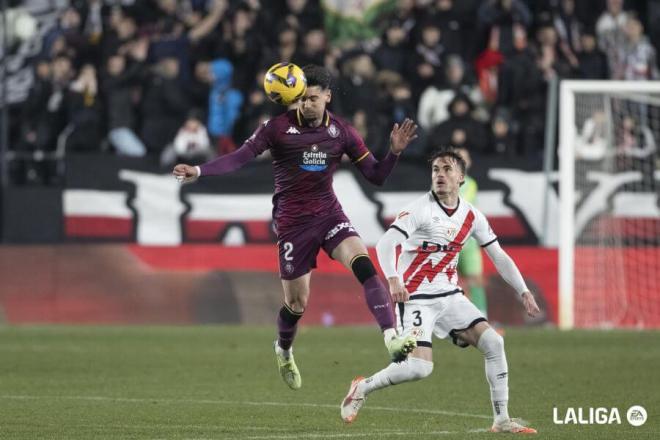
296,307
491,342
419,368
362,267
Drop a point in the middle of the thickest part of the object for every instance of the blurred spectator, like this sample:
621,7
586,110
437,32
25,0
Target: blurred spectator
45,109
191,144
243,48
610,32
489,62
461,129
551,60
444,15
164,105
427,61
638,57
66,38
522,88
44,117
224,105
397,103
592,63
173,39
199,87
569,31
287,39
37,131
498,19
357,87
119,86
635,141
122,30
303,15
405,12
392,53
502,136
433,104
313,49
84,112
371,130
591,143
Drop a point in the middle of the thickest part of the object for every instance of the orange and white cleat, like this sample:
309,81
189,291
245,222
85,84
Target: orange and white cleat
512,427
353,401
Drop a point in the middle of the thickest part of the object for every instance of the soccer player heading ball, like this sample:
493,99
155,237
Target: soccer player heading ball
432,230
307,143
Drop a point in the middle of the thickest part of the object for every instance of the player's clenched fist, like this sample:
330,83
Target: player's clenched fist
397,290
185,173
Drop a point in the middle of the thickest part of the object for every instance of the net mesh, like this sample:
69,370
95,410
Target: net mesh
617,219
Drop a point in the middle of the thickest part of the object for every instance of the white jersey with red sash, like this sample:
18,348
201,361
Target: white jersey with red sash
434,237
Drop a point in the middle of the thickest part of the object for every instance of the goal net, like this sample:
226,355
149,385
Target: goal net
609,250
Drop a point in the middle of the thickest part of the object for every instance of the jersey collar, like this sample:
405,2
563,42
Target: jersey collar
301,121
449,213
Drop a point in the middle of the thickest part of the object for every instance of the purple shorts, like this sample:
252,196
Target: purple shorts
299,246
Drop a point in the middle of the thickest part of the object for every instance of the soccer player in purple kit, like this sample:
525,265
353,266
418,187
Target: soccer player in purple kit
307,143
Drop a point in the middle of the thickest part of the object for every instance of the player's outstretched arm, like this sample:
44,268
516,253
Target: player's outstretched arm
377,171
386,250
509,271
221,165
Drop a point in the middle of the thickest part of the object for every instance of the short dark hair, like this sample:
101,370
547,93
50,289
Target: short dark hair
317,76
451,153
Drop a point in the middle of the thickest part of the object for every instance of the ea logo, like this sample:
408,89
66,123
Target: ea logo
636,415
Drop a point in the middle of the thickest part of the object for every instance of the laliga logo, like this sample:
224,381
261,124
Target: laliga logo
636,416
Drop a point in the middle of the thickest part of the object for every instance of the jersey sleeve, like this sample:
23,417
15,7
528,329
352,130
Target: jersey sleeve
262,139
482,231
354,145
408,220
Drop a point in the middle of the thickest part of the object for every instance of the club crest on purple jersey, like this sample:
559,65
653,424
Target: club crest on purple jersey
333,131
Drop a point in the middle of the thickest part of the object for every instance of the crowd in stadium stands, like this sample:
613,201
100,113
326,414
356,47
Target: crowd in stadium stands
174,79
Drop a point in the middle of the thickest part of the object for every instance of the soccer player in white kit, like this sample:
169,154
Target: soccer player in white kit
431,232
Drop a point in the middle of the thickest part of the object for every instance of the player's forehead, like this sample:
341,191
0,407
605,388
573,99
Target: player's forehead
444,161
315,91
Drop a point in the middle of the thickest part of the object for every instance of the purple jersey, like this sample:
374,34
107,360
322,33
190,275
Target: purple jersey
304,159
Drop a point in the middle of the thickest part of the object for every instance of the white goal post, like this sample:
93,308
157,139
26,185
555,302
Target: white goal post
608,175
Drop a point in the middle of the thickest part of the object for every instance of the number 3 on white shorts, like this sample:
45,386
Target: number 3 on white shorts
288,248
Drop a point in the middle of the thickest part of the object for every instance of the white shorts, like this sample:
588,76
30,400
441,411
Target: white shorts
443,317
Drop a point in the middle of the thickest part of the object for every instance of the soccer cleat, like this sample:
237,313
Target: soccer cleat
288,369
353,401
512,427
400,347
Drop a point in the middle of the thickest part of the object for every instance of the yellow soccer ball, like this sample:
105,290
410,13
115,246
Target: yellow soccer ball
285,83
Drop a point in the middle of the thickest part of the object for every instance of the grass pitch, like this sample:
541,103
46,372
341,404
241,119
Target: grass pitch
222,383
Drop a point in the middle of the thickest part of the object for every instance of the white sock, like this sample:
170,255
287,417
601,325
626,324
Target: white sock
389,334
395,373
492,346
282,352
